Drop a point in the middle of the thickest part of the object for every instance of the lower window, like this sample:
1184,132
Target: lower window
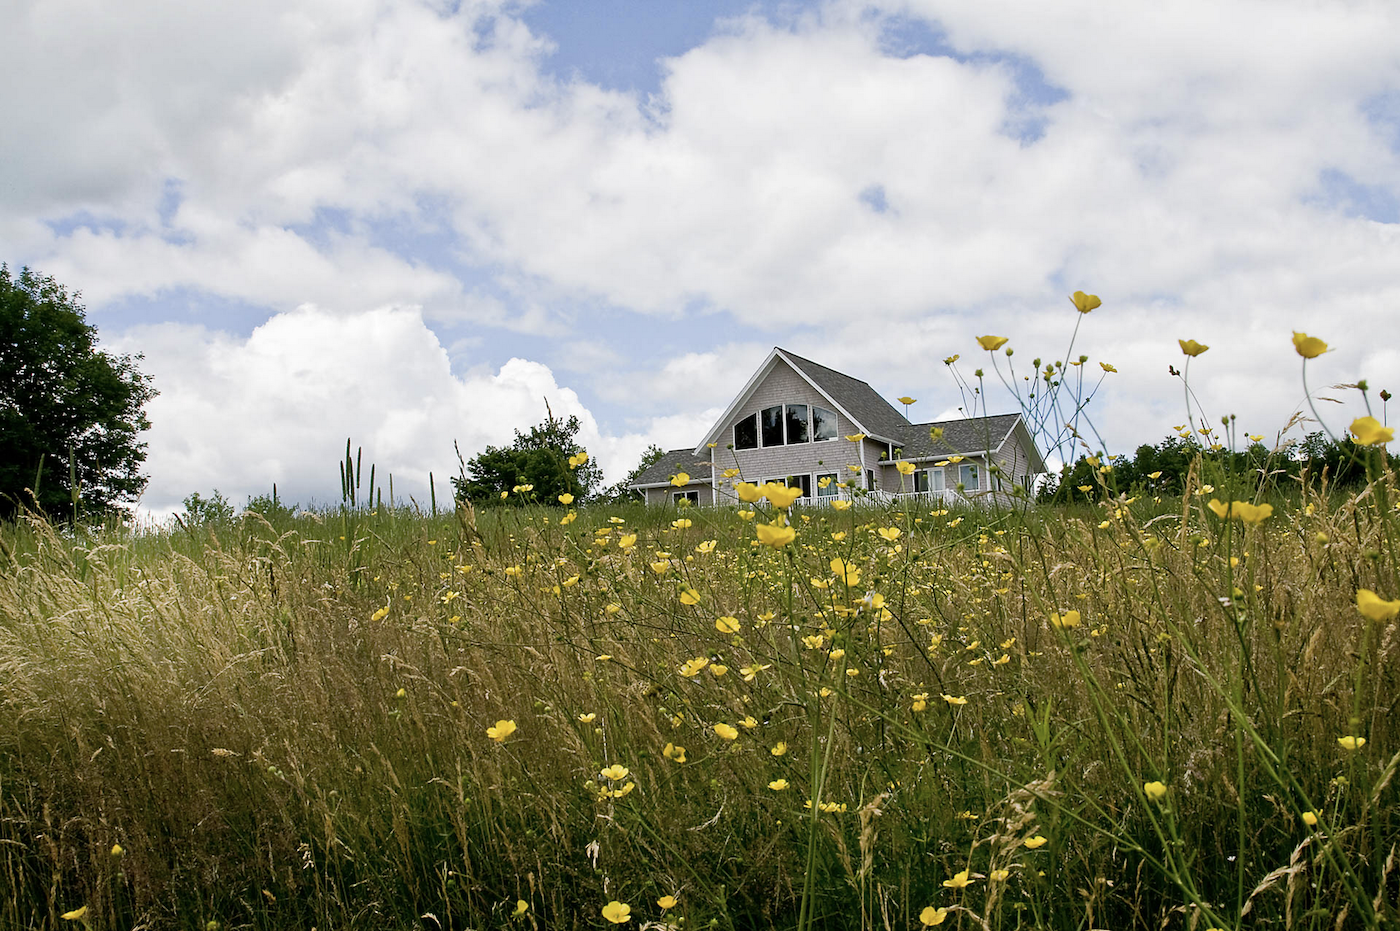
690,497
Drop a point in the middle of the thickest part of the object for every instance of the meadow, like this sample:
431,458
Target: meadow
1148,712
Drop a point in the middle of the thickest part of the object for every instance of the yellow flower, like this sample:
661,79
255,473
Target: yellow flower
748,492
667,901
588,718
1067,621
920,702
990,343
570,582
501,731
779,748
521,907
617,913
681,523
749,722
905,468
1085,302
505,494
718,669
1155,791
673,753
1033,843
660,567
1373,607
576,461
1220,508
77,914
889,534
1252,513
846,571
1310,818
692,667
1351,743
379,615
998,876
727,732
745,515
954,699
1191,347
751,672
840,505
616,772
959,881
1369,432
727,624
680,478
707,546
512,570
778,785
855,437
781,495
627,541
117,852
906,400
931,916
566,499
775,535
1309,347
690,597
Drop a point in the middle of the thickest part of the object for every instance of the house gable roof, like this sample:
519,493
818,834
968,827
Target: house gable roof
861,404
677,460
969,435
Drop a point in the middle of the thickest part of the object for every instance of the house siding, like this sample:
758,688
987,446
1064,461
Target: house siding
663,495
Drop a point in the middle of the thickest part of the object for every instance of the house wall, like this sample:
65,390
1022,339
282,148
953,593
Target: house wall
663,495
785,386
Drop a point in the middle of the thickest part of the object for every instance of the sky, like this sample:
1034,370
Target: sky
414,223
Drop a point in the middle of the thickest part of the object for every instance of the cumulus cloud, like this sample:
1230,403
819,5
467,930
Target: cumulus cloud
277,407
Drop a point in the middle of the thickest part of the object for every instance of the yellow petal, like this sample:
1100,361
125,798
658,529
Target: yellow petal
991,342
1309,347
1369,432
1085,302
1374,607
1191,347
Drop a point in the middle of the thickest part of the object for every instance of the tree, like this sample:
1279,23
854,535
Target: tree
540,459
70,413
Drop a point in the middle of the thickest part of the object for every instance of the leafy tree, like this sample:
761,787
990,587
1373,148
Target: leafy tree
620,493
216,509
539,458
70,413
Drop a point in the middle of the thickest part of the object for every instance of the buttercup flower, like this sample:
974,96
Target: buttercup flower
889,534
521,907
1156,791
667,901
1085,302
1309,347
501,731
691,668
855,437
954,699
1107,367
727,732
779,748
1066,621
727,624
1038,841
846,571
77,914
991,343
840,505
1374,607
959,881
566,499
778,785
617,913
1351,743
775,535
1191,347
673,753
905,468
681,523
998,876
931,916
1310,818
748,492
616,772
690,597
680,478
781,495
588,718
1369,432
906,400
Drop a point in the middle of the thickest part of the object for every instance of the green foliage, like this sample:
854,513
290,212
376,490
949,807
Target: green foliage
271,507
68,410
200,511
539,458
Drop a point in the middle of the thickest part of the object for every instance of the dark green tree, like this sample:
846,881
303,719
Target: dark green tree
70,414
539,458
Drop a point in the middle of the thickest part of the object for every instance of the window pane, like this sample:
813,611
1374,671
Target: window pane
830,490
968,477
823,424
797,423
936,483
746,433
801,481
773,426
920,481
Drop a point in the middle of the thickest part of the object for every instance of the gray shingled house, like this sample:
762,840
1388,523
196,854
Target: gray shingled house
793,421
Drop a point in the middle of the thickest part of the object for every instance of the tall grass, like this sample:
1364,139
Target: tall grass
1128,717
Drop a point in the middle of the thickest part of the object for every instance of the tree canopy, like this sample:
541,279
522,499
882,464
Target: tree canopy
548,459
70,413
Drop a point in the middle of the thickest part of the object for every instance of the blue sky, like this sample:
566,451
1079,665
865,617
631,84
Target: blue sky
415,222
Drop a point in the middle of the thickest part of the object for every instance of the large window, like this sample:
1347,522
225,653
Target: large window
746,433
826,485
967,475
772,419
797,423
823,424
